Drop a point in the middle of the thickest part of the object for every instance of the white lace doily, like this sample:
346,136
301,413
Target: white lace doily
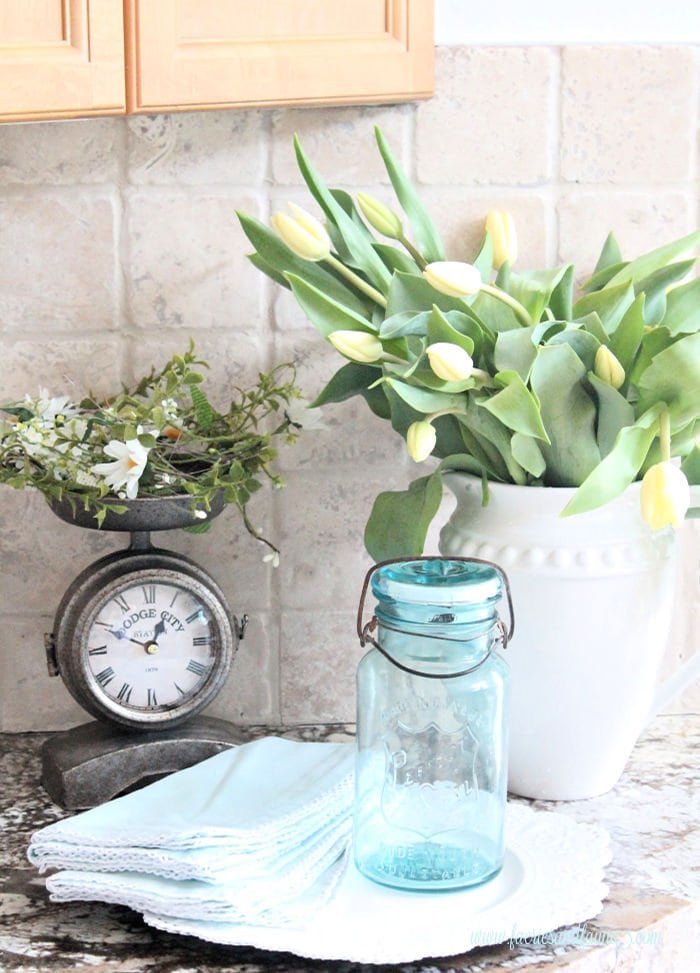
552,877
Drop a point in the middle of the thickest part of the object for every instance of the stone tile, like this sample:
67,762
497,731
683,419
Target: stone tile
29,698
251,692
640,222
61,152
41,554
323,517
489,121
57,262
71,365
187,255
627,113
197,148
339,142
320,651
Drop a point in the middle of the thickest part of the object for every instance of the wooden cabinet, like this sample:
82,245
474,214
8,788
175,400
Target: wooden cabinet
65,58
60,58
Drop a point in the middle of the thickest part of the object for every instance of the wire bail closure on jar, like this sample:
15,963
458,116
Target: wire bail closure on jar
364,631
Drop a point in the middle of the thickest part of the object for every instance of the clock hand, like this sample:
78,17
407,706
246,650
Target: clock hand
159,630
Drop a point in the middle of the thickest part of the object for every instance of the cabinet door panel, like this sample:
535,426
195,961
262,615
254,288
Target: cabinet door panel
218,53
61,58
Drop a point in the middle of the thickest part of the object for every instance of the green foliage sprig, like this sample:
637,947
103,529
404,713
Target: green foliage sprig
163,437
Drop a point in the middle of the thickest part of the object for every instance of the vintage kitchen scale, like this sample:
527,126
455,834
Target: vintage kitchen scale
143,640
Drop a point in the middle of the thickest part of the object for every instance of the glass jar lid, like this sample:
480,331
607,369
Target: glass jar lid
437,581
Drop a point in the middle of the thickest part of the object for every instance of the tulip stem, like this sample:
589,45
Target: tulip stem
355,279
665,436
416,254
514,305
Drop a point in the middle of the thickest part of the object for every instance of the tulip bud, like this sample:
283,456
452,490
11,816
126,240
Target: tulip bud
379,216
420,440
607,367
302,233
359,346
501,228
454,278
664,495
449,362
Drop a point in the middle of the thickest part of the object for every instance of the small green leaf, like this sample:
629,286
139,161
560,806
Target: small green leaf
654,288
561,299
399,521
396,260
426,401
691,465
324,313
528,454
674,377
440,329
625,341
609,255
516,351
515,406
351,379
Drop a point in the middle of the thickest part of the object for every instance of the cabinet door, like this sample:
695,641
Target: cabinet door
219,53
60,58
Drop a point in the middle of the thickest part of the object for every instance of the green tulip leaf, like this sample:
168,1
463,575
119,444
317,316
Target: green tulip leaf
527,452
396,260
399,521
484,258
425,400
411,292
440,329
533,288
355,236
691,465
515,406
614,413
351,379
516,351
645,265
568,414
584,344
324,313
493,314
620,467
426,234
405,323
610,255
627,337
654,288
492,435
561,300
610,304
674,377
683,309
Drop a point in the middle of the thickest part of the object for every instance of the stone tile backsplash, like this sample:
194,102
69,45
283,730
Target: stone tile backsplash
119,240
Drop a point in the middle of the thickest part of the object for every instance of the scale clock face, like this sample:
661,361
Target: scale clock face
151,646
145,643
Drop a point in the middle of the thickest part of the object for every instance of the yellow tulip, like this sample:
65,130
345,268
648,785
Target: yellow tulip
664,495
501,228
453,277
358,346
420,440
449,362
302,233
608,368
380,217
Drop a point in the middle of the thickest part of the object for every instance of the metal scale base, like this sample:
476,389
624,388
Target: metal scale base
94,762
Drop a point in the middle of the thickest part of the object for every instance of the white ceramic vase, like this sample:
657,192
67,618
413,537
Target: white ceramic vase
593,596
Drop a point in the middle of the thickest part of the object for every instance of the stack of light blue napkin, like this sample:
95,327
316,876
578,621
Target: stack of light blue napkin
256,834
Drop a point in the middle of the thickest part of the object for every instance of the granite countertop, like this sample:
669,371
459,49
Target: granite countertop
650,919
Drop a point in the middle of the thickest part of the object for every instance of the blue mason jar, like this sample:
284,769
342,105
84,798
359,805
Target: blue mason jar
432,726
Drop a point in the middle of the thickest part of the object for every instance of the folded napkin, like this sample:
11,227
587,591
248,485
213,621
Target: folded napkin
245,832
